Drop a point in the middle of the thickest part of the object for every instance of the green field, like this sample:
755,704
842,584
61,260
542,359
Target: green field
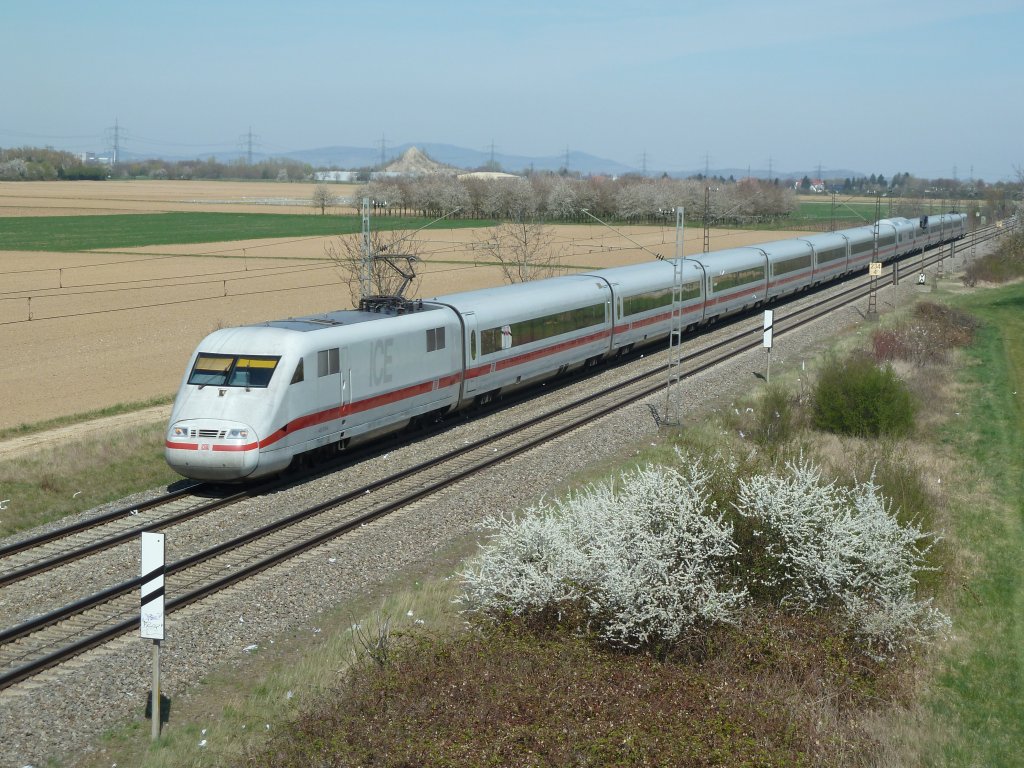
978,698
84,233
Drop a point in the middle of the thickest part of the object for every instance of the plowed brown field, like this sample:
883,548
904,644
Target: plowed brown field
87,330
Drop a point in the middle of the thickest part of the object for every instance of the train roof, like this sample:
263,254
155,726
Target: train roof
540,293
825,240
645,269
730,259
339,317
784,248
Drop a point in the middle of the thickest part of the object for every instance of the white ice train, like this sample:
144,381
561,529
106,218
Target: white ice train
255,397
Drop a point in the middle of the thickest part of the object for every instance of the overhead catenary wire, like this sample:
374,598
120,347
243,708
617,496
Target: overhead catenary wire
236,276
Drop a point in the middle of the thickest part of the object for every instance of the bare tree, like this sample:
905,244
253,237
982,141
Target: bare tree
523,250
323,197
392,263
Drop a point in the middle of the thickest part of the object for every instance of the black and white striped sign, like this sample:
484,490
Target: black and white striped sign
153,586
768,318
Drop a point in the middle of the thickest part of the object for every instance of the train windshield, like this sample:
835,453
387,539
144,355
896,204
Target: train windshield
232,371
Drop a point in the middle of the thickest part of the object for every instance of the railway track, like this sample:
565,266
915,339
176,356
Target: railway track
50,639
59,547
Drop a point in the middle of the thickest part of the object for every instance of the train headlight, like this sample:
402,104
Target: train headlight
179,431
238,433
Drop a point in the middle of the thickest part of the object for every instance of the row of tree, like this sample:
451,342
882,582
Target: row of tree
557,197
48,164
35,164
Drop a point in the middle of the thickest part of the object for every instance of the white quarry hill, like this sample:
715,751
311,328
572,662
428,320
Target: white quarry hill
414,161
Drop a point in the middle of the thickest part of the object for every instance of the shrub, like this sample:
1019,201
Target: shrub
856,397
642,564
775,417
954,327
826,546
933,330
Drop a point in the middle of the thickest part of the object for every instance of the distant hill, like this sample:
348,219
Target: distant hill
461,158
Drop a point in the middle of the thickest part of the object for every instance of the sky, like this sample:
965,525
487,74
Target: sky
930,87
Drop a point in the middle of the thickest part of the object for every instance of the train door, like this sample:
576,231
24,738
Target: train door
345,380
333,376
471,351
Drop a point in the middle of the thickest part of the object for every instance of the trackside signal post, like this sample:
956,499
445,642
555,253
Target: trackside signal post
769,318
874,270
152,619
675,335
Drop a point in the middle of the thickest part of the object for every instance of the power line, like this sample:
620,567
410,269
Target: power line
183,280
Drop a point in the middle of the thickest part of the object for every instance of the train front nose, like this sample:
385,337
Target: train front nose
208,449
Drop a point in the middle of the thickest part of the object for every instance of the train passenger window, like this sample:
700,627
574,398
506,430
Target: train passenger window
735,279
328,361
832,254
644,302
472,345
435,339
794,264
299,374
540,328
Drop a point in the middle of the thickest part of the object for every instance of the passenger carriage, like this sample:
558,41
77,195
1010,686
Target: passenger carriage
735,279
643,300
906,235
831,254
790,266
520,334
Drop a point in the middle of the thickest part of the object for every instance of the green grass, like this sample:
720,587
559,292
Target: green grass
979,696
83,233
46,485
820,210
817,211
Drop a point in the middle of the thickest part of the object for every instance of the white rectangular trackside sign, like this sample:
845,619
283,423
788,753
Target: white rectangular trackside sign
153,586
768,319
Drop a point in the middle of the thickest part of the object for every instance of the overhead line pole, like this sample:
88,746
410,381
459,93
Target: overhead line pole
675,336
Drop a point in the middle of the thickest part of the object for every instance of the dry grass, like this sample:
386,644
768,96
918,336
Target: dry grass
778,692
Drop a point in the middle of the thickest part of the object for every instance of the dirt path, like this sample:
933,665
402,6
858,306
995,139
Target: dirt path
42,440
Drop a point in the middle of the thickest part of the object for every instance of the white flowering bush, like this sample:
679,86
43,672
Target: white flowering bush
650,560
640,563
827,546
